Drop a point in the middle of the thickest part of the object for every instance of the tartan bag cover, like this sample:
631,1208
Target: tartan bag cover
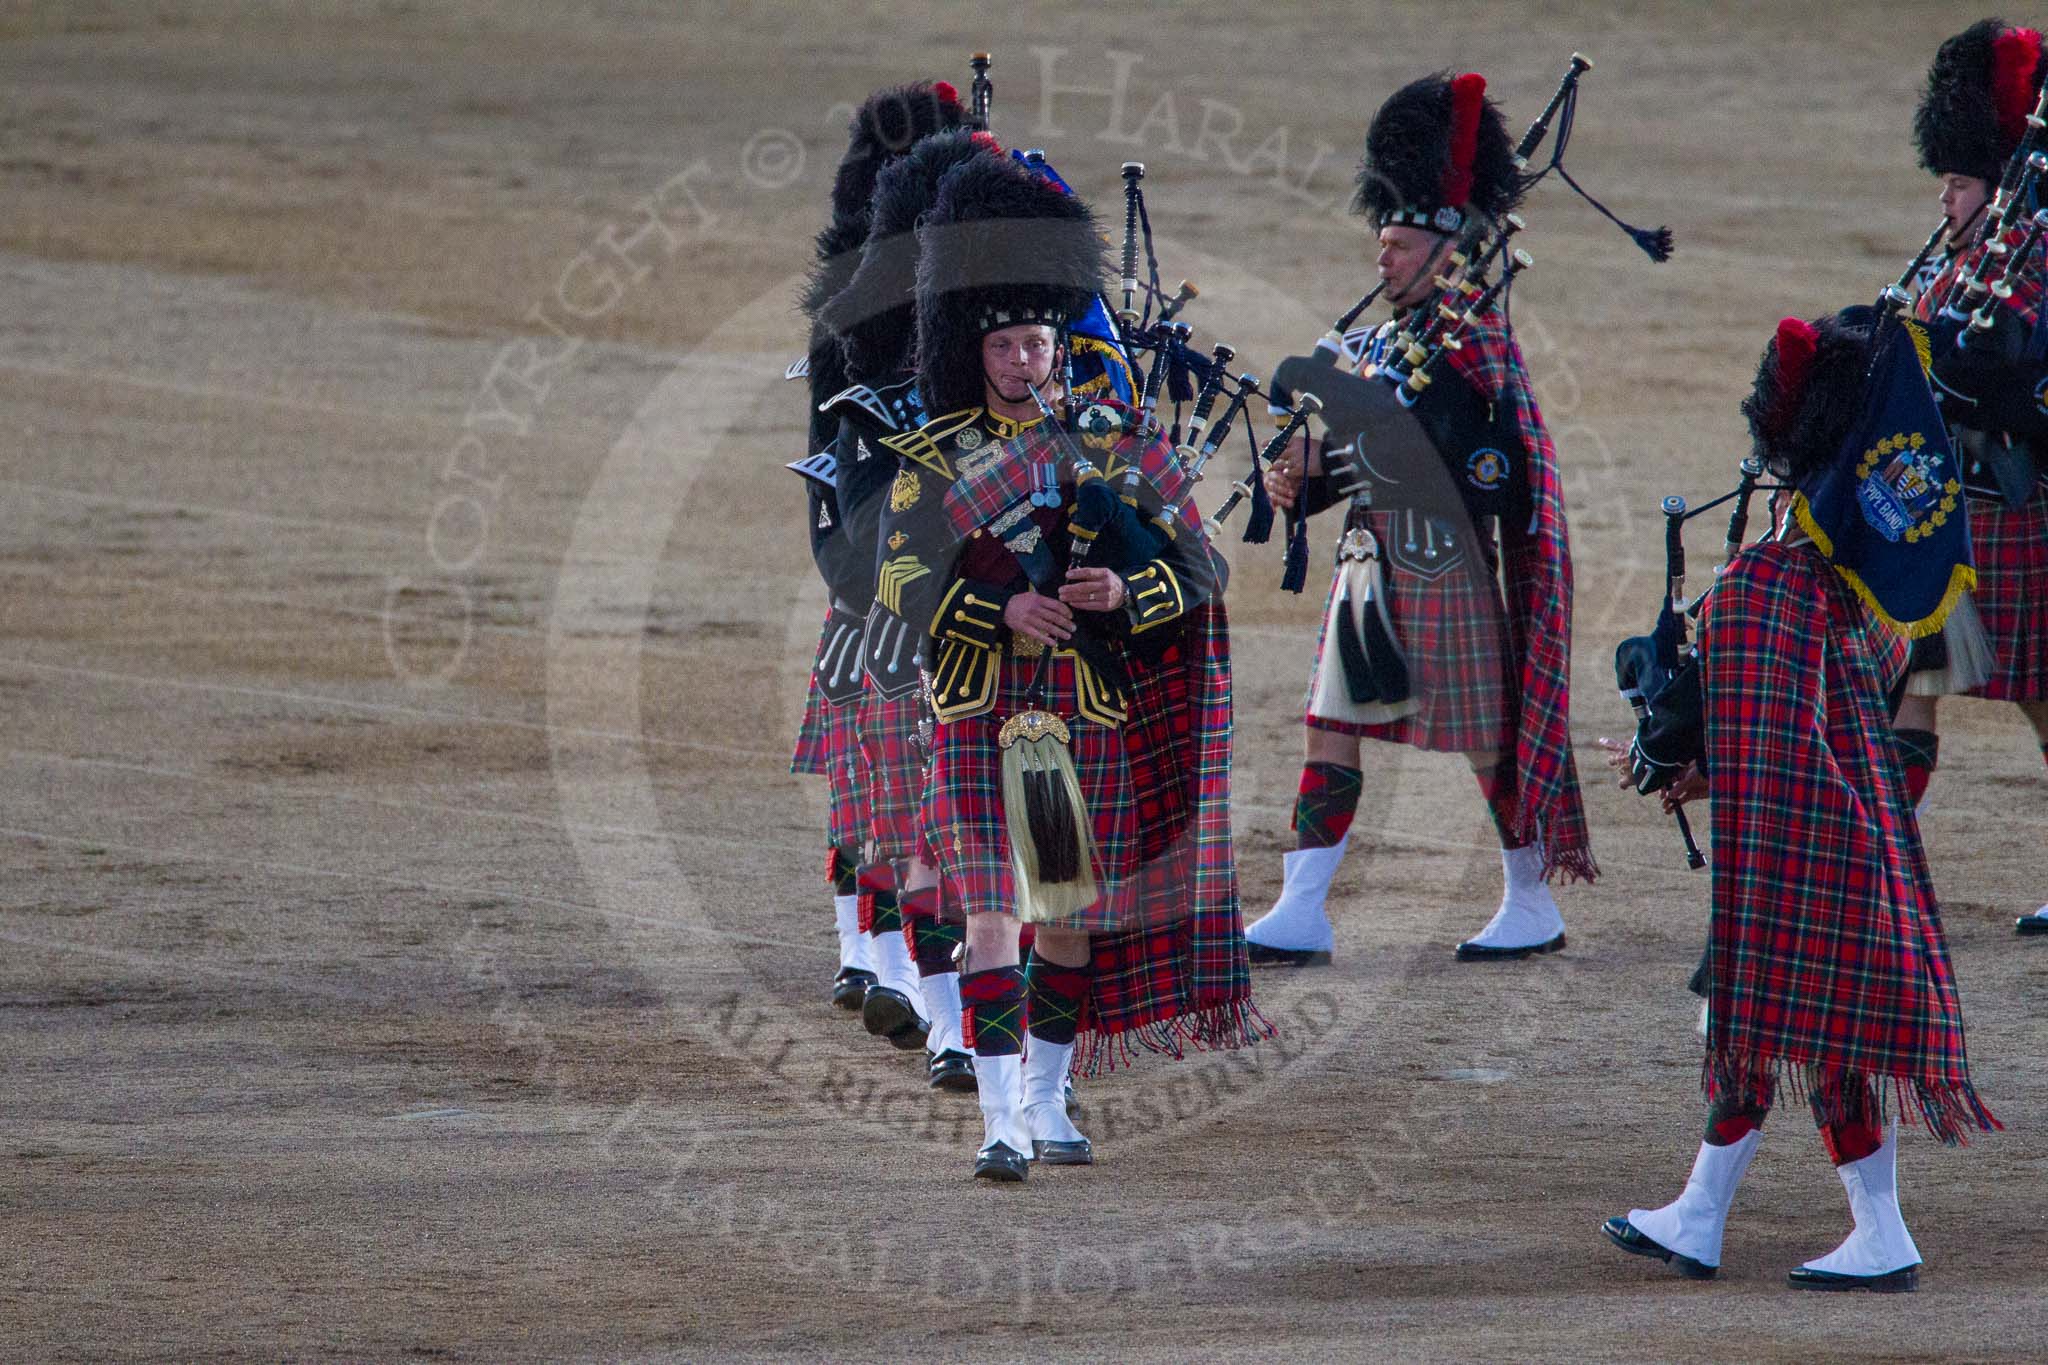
1826,949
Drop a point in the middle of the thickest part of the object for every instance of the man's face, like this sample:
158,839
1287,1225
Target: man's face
1408,262
1962,196
1016,360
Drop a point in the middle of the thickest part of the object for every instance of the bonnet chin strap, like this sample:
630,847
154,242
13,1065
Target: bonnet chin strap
1065,333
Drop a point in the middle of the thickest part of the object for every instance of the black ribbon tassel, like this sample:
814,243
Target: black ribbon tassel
1295,576
1657,243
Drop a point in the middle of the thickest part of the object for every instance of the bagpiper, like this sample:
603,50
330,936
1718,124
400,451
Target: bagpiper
1981,88
886,125
1079,767
1480,605
1827,969
874,317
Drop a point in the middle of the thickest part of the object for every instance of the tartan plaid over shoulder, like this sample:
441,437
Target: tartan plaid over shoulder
1826,949
1536,567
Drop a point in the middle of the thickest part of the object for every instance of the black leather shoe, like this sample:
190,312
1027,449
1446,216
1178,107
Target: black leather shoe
889,1014
954,1071
1262,956
1474,952
1080,1153
1623,1234
2028,925
850,987
1074,1109
1904,1281
999,1161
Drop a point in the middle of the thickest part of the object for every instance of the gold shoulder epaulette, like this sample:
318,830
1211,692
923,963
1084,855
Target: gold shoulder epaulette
922,446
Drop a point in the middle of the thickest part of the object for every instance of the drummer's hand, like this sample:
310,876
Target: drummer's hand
1283,479
1093,589
1039,618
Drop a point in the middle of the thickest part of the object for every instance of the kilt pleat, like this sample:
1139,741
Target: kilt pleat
845,776
895,771
827,745
808,759
2011,548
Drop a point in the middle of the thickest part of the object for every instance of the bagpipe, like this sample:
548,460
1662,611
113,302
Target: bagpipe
1172,385
1143,349
1898,295
1185,378
1981,364
1890,532
1973,296
1658,674
1396,443
1045,811
1482,243
1390,446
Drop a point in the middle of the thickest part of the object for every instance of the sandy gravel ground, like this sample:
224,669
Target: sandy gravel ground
412,937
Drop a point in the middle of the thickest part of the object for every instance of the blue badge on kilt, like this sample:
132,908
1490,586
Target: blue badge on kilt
1888,511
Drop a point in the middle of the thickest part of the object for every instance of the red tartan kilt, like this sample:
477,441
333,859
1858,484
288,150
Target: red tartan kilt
1460,664
809,758
895,773
963,803
2011,548
1159,748
845,783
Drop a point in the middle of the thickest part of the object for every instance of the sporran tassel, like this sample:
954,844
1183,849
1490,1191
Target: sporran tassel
1362,677
1052,849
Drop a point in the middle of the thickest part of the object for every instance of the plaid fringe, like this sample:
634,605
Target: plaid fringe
1218,1028
1947,1109
1561,860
